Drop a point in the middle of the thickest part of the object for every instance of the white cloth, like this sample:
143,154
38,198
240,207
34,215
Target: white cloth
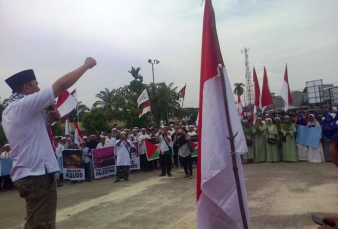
303,154
110,142
122,153
24,123
86,154
134,138
58,150
100,146
162,144
191,133
316,155
5,154
141,143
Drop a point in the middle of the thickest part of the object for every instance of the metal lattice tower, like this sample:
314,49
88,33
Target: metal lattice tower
248,84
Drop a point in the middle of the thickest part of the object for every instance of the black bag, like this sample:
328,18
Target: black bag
271,141
249,142
170,150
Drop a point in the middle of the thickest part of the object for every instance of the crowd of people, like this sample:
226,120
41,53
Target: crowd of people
272,138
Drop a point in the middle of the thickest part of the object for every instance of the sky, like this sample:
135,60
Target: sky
54,37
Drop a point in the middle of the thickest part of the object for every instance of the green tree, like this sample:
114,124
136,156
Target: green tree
106,99
193,116
239,90
95,121
58,129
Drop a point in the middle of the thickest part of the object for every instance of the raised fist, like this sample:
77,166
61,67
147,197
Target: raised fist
90,62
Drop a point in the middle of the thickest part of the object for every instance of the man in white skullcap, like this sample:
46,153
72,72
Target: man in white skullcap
123,157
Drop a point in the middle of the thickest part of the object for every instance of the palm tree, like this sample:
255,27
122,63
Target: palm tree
106,99
135,73
239,89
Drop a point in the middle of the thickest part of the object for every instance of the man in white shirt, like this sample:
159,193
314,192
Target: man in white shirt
191,130
142,149
134,137
25,126
110,140
164,141
123,157
102,144
87,158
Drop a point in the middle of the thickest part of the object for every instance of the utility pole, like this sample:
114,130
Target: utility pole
248,84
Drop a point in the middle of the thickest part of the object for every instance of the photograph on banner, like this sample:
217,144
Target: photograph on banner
73,168
152,150
103,162
5,166
194,143
135,156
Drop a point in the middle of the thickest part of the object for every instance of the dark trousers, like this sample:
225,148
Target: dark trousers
41,198
8,184
144,162
165,163
87,170
187,164
175,156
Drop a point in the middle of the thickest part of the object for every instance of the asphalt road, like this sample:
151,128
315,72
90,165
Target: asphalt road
281,195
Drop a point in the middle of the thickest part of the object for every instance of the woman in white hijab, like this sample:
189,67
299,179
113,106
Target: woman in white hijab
315,155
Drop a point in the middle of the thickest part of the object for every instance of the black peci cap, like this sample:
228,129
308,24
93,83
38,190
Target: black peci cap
16,81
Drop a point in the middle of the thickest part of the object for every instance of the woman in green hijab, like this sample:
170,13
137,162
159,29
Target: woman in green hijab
259,142
271,137
289,145
247,128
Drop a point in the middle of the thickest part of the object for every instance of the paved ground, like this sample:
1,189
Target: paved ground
281,195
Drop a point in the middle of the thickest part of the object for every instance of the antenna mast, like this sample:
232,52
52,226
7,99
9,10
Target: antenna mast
248,84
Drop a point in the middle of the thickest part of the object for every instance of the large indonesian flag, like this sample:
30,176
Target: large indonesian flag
217,200
66,103
286,94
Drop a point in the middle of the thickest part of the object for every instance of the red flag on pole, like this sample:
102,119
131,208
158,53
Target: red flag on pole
220,203
286,93
266,94
258,98
240,107
78,136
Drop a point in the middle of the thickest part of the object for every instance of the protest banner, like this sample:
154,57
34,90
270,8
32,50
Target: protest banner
72,162
6,166
104,162
135,156
308,136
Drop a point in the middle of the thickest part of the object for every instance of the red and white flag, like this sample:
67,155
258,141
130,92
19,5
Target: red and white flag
266,94
68,129
240,110
145,109
286,93
217,199
78,136
258,98
66,103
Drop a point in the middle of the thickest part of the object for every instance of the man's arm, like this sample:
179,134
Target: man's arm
70,78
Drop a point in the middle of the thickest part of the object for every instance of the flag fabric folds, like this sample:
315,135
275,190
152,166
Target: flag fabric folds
240,110
286,93
152,149
266,94
217,199
66,103
78,136
142,98
258,98
145,109
68,129
181,94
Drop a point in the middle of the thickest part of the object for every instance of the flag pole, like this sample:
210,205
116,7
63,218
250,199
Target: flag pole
182,101
231,136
